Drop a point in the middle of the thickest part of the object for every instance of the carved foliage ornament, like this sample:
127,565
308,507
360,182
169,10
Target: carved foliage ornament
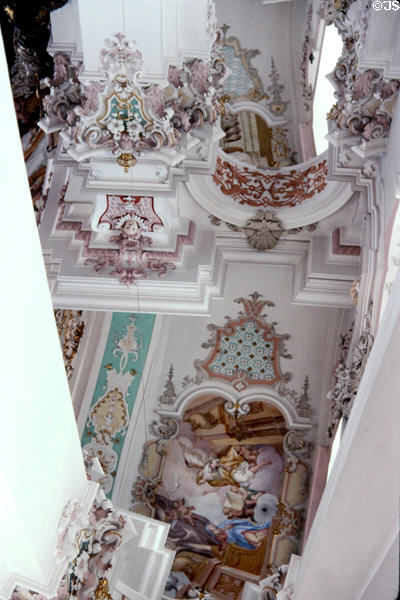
124,114
97,545
256,188
276,104
348,378
365,99
246,350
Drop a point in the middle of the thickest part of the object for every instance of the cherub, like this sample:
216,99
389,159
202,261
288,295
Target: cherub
236,467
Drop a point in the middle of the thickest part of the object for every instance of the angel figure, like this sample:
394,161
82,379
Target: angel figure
236,467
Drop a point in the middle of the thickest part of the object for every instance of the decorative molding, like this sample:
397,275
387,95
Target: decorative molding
262,188
346,250
162,429
70,327
194,295
121,113
237,409
64,95
90,542
98,544
303,403
217,222
72,521
349,372
267,588
246,350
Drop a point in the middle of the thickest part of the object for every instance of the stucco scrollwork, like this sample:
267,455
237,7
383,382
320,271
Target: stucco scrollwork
165,428
348,376
365,98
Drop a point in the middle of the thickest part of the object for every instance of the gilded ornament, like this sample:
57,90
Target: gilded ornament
102,591
70,327
126,160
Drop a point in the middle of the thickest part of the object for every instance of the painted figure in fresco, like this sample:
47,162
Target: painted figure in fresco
249,533
244,533
188,530
240,502
236,467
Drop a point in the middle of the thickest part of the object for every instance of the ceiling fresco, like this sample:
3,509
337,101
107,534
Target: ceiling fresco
229,476
234,503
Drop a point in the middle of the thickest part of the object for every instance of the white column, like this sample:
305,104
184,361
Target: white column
41,466
350,545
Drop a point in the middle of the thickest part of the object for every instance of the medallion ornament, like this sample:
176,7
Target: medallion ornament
246,350
123,114
123,209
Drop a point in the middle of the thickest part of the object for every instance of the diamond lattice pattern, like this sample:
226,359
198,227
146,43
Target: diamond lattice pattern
245,350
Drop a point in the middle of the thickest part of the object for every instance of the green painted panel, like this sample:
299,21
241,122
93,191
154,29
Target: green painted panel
116,390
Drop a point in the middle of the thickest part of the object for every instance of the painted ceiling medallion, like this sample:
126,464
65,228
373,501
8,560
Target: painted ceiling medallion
122,113
246,350
257,188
